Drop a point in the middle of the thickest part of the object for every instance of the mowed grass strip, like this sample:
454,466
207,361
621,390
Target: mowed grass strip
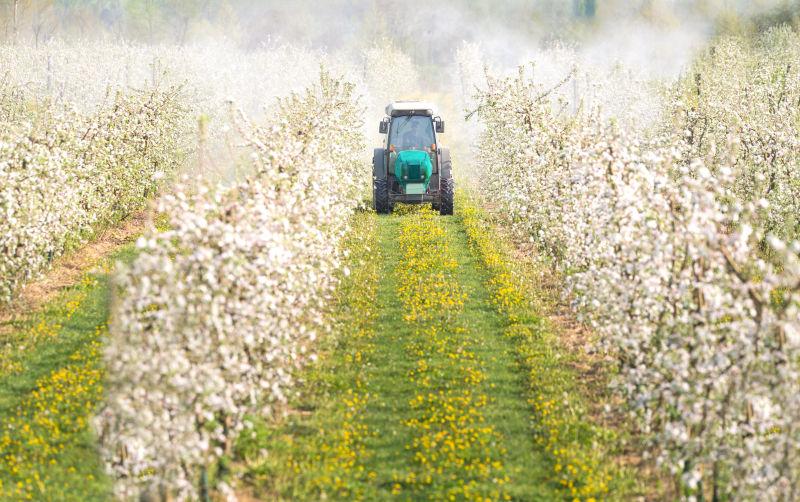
578,451
457,452
50,386
525,466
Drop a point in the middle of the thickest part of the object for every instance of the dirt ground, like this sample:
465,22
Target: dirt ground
68,269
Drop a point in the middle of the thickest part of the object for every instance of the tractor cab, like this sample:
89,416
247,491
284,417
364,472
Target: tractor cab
411,167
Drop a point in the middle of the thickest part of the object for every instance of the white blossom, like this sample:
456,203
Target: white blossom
674,251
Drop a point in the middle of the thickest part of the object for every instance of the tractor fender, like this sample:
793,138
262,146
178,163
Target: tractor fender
445,165
379,163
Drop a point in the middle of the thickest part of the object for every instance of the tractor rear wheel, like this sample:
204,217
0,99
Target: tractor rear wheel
446,197
381,190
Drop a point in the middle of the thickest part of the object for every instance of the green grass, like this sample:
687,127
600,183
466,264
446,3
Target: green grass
49,387
509,410
387,381
301,463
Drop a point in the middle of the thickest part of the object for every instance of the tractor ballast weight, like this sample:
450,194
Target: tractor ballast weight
411,167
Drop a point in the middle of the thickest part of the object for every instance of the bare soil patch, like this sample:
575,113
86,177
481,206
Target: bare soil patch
68,269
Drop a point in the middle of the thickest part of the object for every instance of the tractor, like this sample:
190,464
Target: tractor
412,168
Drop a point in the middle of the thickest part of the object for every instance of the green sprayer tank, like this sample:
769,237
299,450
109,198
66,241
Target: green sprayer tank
413,168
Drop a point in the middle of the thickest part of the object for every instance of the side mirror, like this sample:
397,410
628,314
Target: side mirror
383,127
439,125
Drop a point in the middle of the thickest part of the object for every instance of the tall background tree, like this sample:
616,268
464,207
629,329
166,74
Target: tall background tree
426,31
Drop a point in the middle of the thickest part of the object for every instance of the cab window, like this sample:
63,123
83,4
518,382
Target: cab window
411,132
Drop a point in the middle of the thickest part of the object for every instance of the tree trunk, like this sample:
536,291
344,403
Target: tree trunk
14,28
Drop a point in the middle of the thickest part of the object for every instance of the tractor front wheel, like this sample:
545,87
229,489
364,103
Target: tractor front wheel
446,191
381,191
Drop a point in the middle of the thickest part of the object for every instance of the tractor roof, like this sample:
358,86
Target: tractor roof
397,108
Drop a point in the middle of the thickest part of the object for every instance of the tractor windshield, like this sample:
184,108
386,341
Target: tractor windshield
411,132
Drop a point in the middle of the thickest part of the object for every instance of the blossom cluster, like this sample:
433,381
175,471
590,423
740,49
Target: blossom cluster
67,73
739,106
216,311
691,288
211,77
72,119
66,174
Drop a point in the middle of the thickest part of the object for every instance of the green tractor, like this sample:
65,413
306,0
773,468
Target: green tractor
411,167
